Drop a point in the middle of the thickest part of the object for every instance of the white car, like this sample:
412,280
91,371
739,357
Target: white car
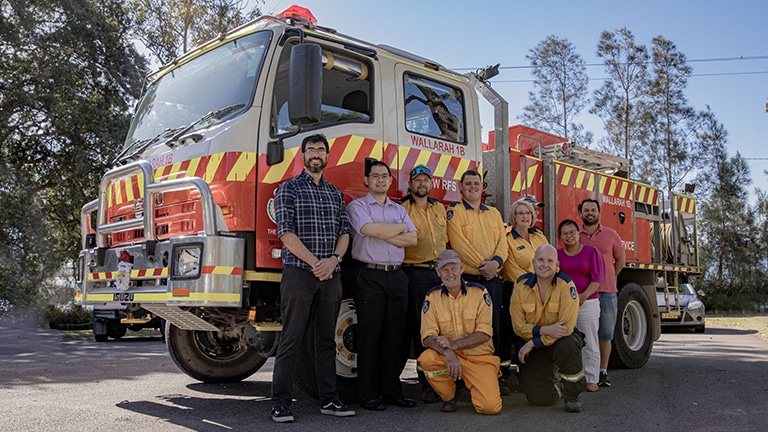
691,308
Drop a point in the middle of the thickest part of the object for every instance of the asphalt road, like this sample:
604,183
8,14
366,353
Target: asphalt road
717,381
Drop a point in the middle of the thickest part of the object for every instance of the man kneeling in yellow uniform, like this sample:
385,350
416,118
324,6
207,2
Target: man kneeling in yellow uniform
456,327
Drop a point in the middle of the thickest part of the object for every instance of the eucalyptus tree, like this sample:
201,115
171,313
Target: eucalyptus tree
68,78
560,90
622,101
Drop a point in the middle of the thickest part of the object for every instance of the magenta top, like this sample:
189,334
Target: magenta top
585,267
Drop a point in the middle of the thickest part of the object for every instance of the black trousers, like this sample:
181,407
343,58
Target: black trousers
304,298
537,374
502,321
516,341
381,301
420,280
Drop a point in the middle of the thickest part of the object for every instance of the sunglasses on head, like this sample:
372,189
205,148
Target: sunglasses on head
421,170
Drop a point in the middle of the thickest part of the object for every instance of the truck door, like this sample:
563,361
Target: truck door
350,119
435,128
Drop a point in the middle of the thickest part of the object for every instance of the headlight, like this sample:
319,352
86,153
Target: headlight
694,305
186,261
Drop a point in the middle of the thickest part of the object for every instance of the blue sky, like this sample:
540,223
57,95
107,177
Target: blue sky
467,34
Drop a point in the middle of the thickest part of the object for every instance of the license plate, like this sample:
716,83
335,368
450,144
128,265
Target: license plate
123,297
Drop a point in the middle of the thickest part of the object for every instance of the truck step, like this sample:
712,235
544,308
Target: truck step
182,319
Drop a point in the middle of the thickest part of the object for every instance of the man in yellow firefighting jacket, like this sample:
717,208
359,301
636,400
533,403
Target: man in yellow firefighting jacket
544,308
456,329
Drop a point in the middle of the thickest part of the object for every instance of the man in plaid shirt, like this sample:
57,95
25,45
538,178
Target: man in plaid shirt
313,225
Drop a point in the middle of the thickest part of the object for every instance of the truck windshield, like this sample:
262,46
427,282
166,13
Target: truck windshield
216,85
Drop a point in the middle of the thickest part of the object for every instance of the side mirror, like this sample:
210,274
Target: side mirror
700,293
275,152
305,85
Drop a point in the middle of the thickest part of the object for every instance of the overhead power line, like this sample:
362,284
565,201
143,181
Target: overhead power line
603,79
701,60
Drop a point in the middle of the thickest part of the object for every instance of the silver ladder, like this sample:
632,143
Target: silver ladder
583,157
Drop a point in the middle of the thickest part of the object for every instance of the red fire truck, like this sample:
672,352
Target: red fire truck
184,227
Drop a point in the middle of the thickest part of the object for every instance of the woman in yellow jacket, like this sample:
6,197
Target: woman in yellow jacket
522,241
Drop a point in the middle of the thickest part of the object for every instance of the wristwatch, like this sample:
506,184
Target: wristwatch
338,257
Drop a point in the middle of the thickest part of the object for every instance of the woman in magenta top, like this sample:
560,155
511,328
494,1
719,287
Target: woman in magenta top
586,267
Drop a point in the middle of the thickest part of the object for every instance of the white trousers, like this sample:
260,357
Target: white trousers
588,323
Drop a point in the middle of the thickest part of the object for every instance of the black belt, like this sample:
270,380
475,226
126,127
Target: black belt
428,265
385,267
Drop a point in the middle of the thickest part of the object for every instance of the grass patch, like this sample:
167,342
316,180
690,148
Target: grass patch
758,323
76,334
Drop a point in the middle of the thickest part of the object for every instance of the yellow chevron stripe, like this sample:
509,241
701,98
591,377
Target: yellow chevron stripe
110,191
423,158
175,168
580,179
612,189
442,165
277,172
624,187
566,176
223,270
140,180
463,166
129,188
402,153
213,166
603,181
163,272
118,192
350,151
242,167
516,184
531,173
377,152
192,169
591,183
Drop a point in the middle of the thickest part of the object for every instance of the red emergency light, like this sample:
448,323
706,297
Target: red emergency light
297,13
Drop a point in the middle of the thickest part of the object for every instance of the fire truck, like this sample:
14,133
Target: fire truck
184,227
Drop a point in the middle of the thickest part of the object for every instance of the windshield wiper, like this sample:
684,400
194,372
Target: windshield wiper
220,113
139,146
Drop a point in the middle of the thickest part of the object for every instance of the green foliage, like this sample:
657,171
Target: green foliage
622,101
68,76
561,87
672,152
67,314
732,233
169,28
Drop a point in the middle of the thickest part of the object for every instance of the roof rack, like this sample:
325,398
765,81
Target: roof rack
584,157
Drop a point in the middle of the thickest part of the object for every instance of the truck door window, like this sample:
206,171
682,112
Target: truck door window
346,92
433,109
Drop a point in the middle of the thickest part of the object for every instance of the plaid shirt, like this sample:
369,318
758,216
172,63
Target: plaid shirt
316,214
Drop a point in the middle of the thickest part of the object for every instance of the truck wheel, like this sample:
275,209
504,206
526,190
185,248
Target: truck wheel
632,342
116,330
346,357
100,337
209,357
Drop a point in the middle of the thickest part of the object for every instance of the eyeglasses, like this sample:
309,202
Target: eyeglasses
523,214
377,177
315,150
421,169
569,233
